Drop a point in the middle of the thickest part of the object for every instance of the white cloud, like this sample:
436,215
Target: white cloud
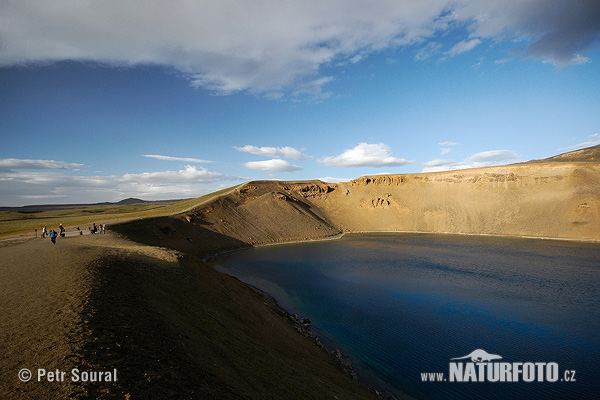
493,155
286,152
576,59
479,160
357,58
15,163
427,51
169,158
594,141
189,174
330,179
448,148
273,166
464,46
438,163
20,187
275,48
503,60
365,155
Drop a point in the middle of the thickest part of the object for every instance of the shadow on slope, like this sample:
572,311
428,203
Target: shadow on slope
185,331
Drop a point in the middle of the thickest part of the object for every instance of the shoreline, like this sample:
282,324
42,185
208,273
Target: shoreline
303,327
342,234
20,238
487,235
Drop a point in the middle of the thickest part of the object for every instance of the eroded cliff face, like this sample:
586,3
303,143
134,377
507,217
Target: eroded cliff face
546,200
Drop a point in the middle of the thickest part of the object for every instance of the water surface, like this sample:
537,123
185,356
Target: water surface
403,304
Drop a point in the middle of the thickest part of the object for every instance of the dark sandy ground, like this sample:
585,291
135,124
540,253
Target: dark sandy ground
44,291
41,299
172,326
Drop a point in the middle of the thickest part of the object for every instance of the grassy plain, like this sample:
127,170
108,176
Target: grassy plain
25,221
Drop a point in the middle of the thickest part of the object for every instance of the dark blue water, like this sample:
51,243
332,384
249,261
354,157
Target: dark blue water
404,304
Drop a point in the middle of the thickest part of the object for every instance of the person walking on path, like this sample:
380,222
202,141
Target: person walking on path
44,231
53,236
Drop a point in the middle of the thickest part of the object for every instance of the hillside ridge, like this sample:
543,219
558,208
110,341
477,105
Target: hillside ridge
588,154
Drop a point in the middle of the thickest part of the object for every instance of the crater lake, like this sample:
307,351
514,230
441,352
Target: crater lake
403,305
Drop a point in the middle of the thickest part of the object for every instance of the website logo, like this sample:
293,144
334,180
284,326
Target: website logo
481,366
479,355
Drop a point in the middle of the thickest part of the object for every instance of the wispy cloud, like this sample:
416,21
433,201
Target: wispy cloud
15,163
20,186
189,174
438,162
286,152
427,51
447,147
493,155
594,141
183,159
479,160
463,47
576,59
448,143
365,155
273,166
228,46
331,179
503,60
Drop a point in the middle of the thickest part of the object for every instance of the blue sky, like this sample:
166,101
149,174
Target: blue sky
101,101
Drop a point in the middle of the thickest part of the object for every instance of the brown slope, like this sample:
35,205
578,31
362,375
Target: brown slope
260,212
550,200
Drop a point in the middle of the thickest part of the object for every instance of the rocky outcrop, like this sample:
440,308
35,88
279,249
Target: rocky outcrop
387,180
314,190
384,201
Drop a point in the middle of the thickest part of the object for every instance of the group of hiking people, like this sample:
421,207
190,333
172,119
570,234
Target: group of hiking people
52,234
97,228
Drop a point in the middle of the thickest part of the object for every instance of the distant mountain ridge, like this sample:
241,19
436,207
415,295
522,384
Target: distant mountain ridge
130,200
49,207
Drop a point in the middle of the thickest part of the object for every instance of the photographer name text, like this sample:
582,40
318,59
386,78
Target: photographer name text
73,375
